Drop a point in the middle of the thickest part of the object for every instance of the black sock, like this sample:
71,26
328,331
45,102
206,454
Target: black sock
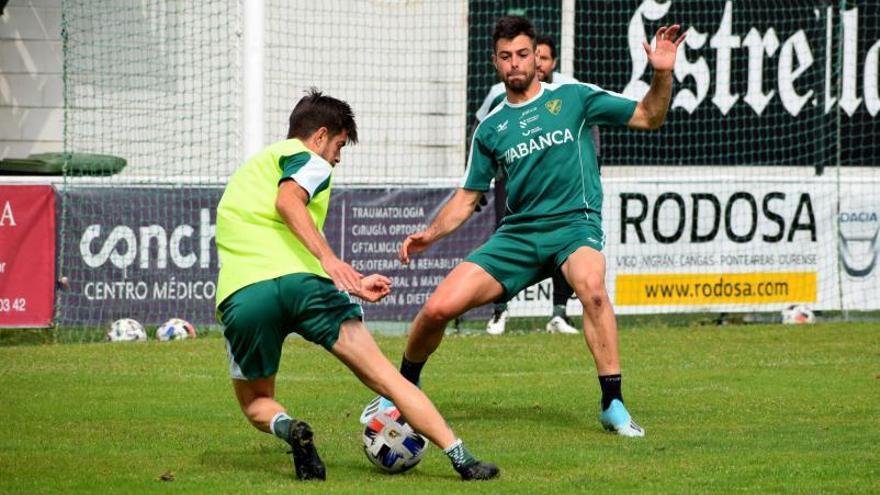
498,309
610,389
410,370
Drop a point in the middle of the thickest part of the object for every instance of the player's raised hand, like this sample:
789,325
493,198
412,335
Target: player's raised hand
374,287
343,275
662,57
414,244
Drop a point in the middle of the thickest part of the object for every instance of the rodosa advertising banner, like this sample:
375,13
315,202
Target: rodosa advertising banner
720,246
739,245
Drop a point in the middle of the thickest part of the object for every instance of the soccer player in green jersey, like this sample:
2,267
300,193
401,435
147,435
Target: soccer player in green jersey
545,65
540,137
278,275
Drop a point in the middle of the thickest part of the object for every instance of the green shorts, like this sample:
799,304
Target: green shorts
520,255
257,318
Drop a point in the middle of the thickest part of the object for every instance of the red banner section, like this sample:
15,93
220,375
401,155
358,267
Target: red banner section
27,255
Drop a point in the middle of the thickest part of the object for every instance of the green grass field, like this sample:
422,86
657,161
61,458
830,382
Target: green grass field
732,409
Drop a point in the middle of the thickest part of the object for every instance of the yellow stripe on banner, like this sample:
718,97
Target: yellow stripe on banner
715,288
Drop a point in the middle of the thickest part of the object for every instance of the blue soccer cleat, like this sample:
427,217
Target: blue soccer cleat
616,419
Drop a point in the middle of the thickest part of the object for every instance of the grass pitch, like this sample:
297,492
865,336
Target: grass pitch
734,409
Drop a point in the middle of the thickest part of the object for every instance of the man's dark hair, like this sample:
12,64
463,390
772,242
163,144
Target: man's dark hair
316,110
547,40
511,26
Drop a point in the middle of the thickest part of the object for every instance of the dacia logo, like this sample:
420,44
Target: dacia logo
554,106
502,126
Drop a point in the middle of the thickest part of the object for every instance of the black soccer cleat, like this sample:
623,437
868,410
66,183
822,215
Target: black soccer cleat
478,470
306,461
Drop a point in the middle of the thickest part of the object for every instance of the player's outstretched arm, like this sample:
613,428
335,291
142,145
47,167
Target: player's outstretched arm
454,213
291,205
651,111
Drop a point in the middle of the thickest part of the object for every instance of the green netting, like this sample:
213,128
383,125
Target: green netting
155,84
766,164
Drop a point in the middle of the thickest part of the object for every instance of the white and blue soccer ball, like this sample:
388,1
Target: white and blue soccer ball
391,444
798,314
126,330
175,329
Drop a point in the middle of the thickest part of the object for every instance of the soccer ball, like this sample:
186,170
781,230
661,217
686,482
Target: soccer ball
797,314
126,330
391,444
175,329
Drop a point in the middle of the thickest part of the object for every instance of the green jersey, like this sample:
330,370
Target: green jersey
253,242
545,149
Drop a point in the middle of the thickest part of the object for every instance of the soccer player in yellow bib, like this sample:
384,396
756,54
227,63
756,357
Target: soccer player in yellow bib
278,275
540,136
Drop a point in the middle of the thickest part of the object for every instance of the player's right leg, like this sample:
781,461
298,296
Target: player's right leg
356,348
255,326
585,270
257,401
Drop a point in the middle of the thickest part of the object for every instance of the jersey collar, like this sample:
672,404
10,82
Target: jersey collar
530,100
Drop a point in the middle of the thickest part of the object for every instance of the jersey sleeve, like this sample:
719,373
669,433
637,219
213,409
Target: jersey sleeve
310,171
607,107
481,166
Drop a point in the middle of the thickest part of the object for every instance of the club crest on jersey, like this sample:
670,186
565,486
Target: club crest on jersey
554,106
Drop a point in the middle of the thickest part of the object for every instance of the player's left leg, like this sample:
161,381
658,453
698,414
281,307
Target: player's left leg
254,325
559,321
257,401
585,271
467,286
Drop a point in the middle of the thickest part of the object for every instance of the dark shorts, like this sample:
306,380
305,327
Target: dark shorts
257,318
520,255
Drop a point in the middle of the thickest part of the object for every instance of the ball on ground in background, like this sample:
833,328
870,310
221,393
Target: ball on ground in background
796,314
391,444
175,329
126,330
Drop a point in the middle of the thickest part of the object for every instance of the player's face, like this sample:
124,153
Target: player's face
515,62
544,63
331,148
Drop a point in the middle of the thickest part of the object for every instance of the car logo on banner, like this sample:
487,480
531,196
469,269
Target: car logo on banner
554,106
859,247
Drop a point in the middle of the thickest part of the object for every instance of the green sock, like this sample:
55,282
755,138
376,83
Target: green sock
559,310
280,425
459,455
